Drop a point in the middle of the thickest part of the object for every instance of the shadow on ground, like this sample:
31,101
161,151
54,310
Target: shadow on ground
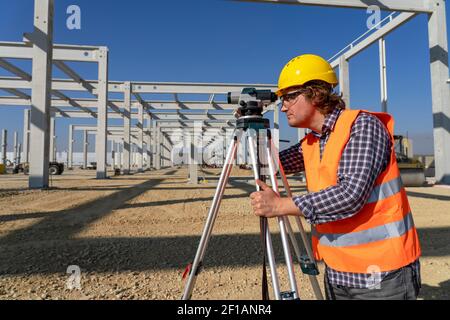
50,246
441,292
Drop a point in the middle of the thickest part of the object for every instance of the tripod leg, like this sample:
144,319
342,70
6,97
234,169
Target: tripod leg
282,221
312,278
267,236
306,243
196,265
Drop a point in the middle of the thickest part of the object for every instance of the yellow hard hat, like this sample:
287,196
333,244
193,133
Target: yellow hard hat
303,69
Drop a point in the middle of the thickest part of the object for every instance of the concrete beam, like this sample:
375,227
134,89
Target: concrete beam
187,88
24,50
13,69
375,36
137,88
389,5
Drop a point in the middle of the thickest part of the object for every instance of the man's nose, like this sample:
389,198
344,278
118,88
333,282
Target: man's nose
283,108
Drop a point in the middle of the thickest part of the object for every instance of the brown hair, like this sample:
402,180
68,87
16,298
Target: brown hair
322,96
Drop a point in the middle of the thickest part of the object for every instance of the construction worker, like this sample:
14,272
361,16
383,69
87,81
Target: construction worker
362,226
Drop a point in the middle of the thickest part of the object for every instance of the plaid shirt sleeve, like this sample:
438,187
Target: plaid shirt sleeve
292,159
364,158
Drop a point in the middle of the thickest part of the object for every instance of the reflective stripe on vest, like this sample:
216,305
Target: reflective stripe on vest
386,190
387,231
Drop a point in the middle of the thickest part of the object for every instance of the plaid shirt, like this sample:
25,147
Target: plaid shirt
366,155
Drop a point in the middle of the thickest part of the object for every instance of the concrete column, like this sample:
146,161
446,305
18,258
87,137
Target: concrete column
148,141
276,127
126,128
70,152
4,146
119,154
383,76
225,147
164,150
133,154
120,157
16,147
140,146
102,119
154,140
440,93
26,136
52,139
193,174
235,160
241,151
169,152
118,162
171,158
186,146
85,149
19,151
41,93
196,145
344,80
113,155
246,150
301,134
158,148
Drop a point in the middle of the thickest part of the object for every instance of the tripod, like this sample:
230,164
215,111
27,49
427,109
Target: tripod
260,148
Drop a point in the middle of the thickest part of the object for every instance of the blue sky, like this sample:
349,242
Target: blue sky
224,41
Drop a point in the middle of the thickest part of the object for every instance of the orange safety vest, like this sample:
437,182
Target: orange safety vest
380,237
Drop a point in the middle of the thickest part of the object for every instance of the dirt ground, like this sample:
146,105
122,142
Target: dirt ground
132,236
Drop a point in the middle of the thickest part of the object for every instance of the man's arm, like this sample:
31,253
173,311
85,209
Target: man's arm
366,155
292,159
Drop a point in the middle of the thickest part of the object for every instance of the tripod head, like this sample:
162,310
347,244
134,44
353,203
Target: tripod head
251,105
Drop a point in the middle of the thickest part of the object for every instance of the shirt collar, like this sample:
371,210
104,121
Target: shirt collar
329,124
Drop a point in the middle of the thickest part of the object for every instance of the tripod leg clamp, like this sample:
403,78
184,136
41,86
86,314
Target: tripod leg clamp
188,270
308,267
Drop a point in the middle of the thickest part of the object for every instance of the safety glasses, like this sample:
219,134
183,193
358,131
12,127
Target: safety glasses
290,97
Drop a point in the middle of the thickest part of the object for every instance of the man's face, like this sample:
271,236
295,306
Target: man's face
299,111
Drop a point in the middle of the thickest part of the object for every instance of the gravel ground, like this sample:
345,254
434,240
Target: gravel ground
132,237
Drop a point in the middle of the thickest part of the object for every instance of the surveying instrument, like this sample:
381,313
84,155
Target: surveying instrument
257,131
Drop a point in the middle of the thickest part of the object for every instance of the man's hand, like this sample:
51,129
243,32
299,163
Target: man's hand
237,113
268,204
